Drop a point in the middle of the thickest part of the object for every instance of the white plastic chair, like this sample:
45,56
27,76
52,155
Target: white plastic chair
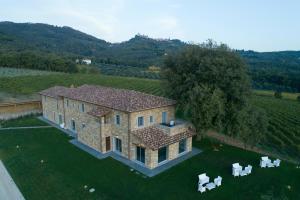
270,164
264,161
210,186
218,181
248,169
203,179
201,188
236,169
276,163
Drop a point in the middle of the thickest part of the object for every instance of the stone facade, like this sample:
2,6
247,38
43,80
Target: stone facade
102,132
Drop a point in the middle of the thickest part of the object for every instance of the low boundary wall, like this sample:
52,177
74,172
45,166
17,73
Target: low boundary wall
15,110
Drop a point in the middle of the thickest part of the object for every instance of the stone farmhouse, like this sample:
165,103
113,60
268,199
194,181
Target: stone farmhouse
135,125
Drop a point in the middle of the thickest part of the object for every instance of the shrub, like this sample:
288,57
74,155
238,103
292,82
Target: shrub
278,95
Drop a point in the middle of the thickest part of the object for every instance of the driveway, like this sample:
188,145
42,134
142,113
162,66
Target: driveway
8,188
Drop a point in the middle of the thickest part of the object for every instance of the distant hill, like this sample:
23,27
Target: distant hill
47,47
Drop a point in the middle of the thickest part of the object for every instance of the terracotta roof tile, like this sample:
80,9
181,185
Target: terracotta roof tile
55,91
155,138
99,111
119,99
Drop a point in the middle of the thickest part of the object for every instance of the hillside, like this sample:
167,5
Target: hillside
47,47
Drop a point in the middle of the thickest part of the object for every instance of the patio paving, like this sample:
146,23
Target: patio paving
131,164
8,188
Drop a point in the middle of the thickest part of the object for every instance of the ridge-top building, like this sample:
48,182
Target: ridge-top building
135,125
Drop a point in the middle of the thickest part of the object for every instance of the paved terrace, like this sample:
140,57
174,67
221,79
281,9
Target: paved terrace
8,188
131,164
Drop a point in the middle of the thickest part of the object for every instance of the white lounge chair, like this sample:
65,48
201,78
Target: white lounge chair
218,181
276,163
264,162
236,169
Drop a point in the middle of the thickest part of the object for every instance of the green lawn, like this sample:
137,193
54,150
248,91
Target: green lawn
66,169
22,122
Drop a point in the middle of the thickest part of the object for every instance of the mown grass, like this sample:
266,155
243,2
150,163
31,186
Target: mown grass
22,122
66,169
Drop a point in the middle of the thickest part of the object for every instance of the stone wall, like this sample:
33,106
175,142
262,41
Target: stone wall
93,131
87,127
52,108
156,113
15,110
172,153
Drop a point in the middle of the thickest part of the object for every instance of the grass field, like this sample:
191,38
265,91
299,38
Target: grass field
284,130
66,170
22,122
285,95
13,72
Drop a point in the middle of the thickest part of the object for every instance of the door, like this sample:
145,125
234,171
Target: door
140,154
164,117
107,142
73,127
118,145
60,119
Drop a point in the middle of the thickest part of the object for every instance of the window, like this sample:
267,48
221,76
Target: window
118,120
82,107
53,116
162,154
151,119
83,125
140,154
164,117
57,105
45,98
67,102
182,146
140,121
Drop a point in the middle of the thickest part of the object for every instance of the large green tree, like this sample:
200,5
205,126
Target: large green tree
211,85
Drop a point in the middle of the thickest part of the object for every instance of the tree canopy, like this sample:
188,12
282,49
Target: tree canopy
211,85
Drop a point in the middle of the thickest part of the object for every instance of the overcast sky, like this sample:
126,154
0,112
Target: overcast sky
262,25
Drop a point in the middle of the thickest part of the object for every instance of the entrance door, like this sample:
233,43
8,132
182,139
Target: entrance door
73,127
107,142
140,154
60,120
118,145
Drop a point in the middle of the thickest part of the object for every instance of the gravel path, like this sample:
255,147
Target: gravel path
8,188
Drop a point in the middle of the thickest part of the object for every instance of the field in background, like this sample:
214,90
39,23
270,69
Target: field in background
284,130
269,93
13,72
